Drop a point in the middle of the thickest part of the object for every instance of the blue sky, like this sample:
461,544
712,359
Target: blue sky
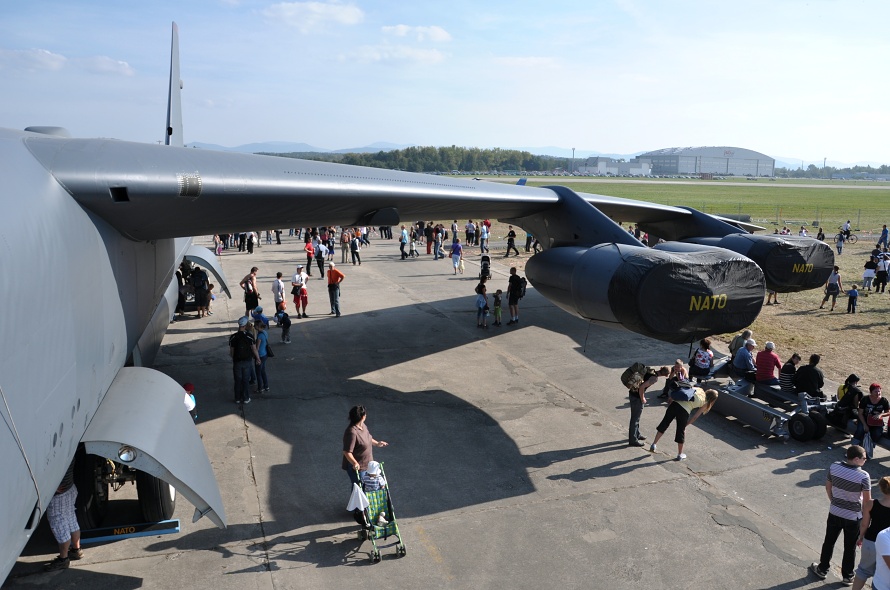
792,79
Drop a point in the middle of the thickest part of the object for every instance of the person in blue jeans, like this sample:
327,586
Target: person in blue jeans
872,411
262,346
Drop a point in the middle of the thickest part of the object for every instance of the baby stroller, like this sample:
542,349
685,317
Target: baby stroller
485,267
380,503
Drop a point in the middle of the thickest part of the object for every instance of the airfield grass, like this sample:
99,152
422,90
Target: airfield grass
846,342
774,203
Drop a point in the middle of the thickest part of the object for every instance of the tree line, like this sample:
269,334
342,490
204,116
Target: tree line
442,159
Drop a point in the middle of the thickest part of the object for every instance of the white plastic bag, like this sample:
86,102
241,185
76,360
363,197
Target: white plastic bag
357,499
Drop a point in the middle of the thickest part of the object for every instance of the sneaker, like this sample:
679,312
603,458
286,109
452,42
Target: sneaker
636,443
265,390
681,457
847,580
814,567
59,563
652,448
287,341
247,401
305,315
75,554
641,437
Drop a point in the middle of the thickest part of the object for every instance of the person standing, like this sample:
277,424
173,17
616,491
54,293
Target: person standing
63,522
278,293
201,284
335,277
321,252
345,238
428,236
354,247
251,295
471,233
848,486
882,273
872,411
883,239
637,399
242,349
511,241
457,255
403,242
528,241
514,294
262,342
875,518
483,238
852,299
298,281
358,445
310,254
680,411
833,287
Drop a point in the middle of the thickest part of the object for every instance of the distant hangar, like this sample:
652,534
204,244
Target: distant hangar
709,160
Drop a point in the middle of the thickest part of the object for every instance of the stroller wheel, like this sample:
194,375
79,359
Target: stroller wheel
375,557
401,551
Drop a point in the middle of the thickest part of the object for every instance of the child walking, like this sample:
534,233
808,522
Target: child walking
853,295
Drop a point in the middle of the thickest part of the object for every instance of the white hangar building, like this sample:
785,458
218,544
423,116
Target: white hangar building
715,160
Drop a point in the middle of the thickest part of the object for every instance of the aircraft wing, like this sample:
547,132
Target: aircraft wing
150,192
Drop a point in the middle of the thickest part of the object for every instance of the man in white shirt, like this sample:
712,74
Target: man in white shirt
321,252
278,293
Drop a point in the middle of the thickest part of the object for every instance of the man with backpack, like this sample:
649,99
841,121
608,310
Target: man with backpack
638,378
242,349
201,285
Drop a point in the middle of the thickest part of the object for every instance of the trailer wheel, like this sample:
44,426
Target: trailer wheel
92,491
821,423
801,427
157,498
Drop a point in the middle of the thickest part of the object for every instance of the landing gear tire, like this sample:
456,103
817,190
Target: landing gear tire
92,492
157,498
801,427
821,423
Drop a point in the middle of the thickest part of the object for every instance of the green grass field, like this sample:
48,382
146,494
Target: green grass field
867,205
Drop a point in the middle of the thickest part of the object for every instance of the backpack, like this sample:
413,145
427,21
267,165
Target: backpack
241,342
632,376
522,285
199,279
681,391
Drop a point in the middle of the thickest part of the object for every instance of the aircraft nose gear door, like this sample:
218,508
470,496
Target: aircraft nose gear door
142,422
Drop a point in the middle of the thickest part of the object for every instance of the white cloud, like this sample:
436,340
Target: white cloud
396,53
43,60
433,33
31,59
310,16
104,65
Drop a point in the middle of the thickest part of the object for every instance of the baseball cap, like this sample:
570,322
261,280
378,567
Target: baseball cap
751,342
770,346
243,321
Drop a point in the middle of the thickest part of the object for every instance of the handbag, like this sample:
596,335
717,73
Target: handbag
295,290
269,353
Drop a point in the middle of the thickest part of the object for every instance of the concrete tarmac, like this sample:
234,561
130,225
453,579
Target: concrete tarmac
507,460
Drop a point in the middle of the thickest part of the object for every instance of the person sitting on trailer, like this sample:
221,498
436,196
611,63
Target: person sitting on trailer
809,378
767,362
786,375
743,363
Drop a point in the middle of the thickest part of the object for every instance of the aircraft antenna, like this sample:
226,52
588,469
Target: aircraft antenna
173,133
18,440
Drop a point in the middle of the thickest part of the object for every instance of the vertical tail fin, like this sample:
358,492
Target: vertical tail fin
173,135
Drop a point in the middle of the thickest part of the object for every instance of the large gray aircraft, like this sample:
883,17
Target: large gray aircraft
94,230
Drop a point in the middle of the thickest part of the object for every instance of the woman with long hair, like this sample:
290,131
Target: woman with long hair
680,411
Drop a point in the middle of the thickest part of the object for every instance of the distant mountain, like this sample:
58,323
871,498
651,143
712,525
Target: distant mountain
277,147
380,146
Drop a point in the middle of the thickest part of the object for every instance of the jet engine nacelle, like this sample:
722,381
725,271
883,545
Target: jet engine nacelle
789,263
674,297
